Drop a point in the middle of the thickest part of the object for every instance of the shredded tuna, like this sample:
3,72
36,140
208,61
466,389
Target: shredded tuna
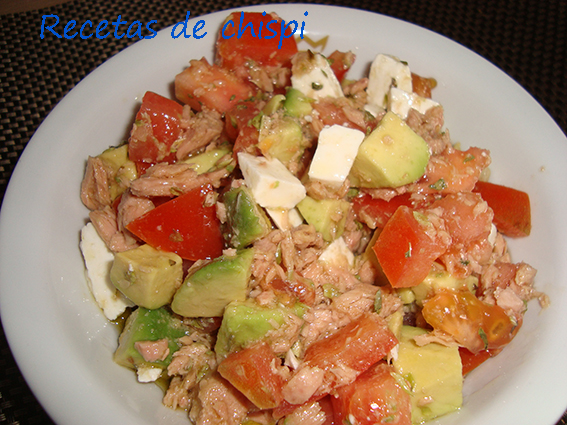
200,130
106,225
130,208
430,127
218,402
174,179
95,192
152,351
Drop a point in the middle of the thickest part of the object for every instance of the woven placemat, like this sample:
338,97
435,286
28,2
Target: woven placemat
526,39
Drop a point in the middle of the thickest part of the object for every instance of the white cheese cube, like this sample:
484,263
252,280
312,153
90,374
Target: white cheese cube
401,101
148,374
285,219
271,183
316,80
98,261
386,71
336,150
338,254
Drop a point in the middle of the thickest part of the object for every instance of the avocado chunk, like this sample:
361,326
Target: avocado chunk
297,104
207,161
438,279
391,156
274,104
281,137
434,373
148,325
147,276
328,216
207,291
245,322
246,220
124,170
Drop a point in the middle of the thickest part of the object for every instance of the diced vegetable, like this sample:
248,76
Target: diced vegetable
375,397
512,213
254,371
184,225
156,128
405,249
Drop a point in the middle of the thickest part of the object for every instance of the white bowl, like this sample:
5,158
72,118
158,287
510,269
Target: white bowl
64,345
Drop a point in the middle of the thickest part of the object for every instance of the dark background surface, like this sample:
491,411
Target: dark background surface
525,38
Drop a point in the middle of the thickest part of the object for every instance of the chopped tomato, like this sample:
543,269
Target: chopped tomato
422,86
254,372
254,37
454,171
406,250
240,127
474,324
376,212
184,225
356,346
341,63
210,85
156,128
471,361
375,397
512,213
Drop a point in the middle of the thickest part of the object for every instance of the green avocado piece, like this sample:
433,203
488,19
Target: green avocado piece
281,137
245,322
246,220
124,170
148,325
437,279
147,276
328,216
434,372
297,104
391,156
274,104
206,161
207,291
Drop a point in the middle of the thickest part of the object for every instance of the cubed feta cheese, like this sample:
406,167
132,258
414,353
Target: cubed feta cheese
336,149
401,101
317,79
98,261
338,254
271,183
148,374
285,219
386,71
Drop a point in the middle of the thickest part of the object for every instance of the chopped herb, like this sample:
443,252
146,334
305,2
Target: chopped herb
465,262
378,301
316,86
468,158
175,236
484,338
257,121
408,252
439,185
325,74
232,97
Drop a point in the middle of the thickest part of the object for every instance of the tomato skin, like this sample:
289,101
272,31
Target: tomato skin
379,211
422,86
375,397
157,127
405,251
512,212
252,372
240,129
210,85
234,51
357,346
474,324
471,361
341,63
183,225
